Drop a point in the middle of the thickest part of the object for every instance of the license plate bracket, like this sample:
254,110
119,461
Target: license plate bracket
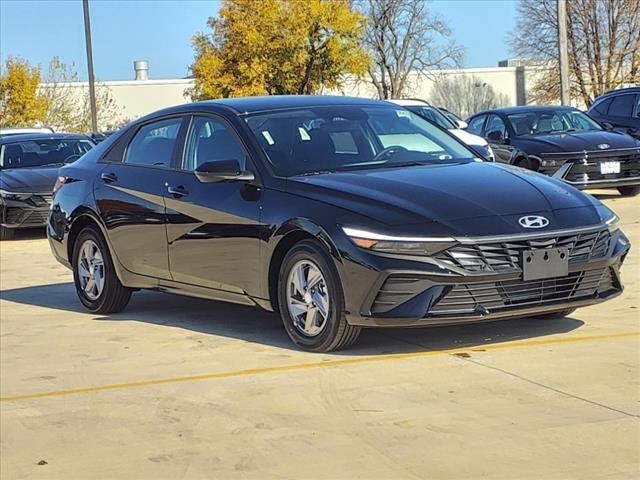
545,263
607,168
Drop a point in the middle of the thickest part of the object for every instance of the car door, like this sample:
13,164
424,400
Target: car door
496,134
214,228
129,195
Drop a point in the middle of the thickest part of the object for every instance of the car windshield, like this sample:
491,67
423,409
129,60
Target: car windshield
331,138
433,115
37,153
550,122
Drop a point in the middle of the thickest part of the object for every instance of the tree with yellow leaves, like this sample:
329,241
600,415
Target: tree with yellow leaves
21,105
275,47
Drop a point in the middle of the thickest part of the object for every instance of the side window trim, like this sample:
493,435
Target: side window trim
135,131
180,165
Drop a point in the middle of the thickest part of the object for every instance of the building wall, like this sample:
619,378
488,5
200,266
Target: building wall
136,98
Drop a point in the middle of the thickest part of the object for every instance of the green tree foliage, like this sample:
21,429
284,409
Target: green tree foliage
277,47
21,104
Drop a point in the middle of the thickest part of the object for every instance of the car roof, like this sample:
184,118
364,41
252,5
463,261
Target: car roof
25,137
619,91
247,105
527,108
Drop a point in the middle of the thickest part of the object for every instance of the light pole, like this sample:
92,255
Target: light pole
92,88
563,52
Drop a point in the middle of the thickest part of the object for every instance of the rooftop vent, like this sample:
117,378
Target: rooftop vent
142,69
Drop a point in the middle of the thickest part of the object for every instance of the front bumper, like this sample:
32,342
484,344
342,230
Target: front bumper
29,213
434,291
583,169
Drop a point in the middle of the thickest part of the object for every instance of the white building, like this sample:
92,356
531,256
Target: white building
138,97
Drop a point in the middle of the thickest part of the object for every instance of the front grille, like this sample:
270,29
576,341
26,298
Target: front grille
42,200
505,256
586,165
465,299
26,217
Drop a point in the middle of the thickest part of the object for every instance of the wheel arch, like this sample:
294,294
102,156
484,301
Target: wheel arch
289,234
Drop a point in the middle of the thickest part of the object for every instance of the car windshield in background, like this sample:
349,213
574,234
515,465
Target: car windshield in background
433,115
549,122
38,153
321,139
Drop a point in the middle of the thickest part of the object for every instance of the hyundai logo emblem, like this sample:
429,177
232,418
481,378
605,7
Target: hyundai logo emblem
604,146
533,221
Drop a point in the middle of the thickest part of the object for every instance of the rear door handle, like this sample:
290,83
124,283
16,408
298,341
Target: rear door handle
177,191
109,177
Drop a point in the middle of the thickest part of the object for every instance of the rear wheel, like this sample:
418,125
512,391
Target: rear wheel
311,300
97,284
7,233
629,191
556,315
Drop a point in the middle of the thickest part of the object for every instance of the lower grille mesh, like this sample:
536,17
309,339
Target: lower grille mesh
494,296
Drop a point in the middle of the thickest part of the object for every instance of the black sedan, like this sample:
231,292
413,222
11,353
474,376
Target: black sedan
340,213
29,166
562,142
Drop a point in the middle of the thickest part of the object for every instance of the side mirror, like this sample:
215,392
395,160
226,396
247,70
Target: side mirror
223,170
462,125
495,136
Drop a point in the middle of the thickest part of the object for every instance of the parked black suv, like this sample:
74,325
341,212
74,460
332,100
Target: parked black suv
562,142
340,213
620,108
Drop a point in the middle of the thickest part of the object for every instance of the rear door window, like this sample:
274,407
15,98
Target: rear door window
154,143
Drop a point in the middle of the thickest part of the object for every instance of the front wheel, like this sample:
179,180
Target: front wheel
97,284
311,300
629,191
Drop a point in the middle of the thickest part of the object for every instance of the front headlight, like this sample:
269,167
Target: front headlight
14,196
398,245
608,217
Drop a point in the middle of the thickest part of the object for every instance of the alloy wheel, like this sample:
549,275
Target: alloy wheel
307,298
91,269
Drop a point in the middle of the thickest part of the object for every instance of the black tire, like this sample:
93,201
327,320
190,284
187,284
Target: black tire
114,296
629,191
7,233
337,333
556,315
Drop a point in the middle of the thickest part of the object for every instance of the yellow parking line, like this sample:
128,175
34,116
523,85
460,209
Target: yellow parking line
310,365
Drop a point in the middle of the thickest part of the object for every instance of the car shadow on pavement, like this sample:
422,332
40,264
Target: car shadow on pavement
255,325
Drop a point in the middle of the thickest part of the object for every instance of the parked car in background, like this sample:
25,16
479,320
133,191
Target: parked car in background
562,142
454,118
23,130
619,108
29,166
434,115
337,212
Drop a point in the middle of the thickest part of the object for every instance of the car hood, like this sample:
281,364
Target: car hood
478,198
594,140
468,138
29,180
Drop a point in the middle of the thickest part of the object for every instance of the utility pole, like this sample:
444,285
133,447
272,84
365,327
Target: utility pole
92,87
563,52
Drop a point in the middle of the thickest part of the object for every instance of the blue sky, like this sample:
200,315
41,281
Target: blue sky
161,30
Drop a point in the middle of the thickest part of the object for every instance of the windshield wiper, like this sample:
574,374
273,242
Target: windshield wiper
316,172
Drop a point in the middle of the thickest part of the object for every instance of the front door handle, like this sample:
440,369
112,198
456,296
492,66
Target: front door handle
109,177
177,191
